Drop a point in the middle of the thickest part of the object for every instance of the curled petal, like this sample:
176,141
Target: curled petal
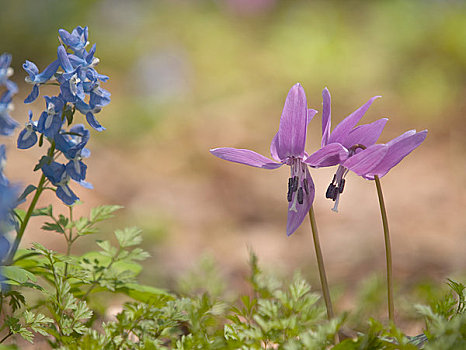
245,156
397,150
93,122
297,212
33,95
326,116
329,155
363,162
366,134
293,124
346,125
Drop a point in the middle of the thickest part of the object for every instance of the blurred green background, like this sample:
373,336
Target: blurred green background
187,76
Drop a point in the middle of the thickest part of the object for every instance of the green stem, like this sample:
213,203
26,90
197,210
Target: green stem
320,264
388,249
22,228
69,240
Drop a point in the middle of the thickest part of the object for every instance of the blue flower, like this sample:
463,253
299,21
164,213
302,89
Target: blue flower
89,111
50,121
5,72
27,137
57,175
37,78
77,40
72,144
7,124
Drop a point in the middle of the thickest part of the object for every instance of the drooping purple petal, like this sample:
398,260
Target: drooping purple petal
329,155
245,156
363,162
346,125
366,134
293,124
326,116
297,212
397,150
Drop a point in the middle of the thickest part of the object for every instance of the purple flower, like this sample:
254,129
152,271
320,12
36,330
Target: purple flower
353,148
287,148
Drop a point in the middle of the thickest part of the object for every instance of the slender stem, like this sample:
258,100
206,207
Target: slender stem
320,264
388,249
69,240
22,228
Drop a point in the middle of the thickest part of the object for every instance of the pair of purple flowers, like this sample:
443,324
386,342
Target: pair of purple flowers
349,146
79,90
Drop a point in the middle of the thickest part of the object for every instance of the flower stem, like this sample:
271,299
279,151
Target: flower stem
22,228
388,249
320,264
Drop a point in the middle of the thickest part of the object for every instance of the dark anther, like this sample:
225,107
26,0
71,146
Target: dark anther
290,184
300,195
342,185
330,190
289,196
334,178
295,183
306,186
334,194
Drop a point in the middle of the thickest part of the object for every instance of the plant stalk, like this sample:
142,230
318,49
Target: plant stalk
320,264
22,228
388,249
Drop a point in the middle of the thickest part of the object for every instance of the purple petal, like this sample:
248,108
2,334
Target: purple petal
274,148
363,162
293,124
329,155
326,116
408,133
245,156
397,150
366,134
342,130
297,212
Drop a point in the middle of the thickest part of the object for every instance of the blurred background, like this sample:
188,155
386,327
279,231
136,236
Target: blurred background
187,76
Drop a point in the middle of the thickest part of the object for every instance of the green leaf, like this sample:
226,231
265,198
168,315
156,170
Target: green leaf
51,226
129,236
42,161
103,212
143,293
29,189
18,274
46,211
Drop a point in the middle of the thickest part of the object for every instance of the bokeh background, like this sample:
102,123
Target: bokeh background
187,76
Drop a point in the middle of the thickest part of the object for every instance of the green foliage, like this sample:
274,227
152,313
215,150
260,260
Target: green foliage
60,305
